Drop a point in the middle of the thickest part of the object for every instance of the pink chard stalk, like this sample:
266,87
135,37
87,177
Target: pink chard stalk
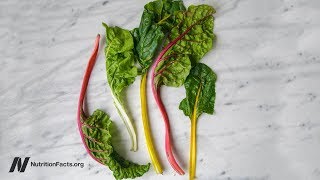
81,116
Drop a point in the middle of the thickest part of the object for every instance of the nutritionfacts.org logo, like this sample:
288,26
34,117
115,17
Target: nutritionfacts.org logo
20,164
17,162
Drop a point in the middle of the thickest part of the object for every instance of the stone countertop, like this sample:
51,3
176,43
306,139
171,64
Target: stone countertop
266,124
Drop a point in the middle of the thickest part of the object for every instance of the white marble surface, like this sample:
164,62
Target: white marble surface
267,121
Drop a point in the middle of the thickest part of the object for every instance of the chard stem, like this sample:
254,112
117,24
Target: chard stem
193,148
127,122
85,81
193,143
156,95
145,121
168,144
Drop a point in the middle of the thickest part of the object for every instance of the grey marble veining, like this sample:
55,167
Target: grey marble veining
267,120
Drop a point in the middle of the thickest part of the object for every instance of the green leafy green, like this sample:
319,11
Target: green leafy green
173,71
199,39
97,131
190,39
154,25
200,91
121,71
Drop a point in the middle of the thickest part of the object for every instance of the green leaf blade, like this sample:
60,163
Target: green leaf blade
200,83
190,39
173,71
154,25
199,40
97,130
120,59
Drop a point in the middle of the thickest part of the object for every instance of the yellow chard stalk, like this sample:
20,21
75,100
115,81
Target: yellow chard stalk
193,139
200,98
145,121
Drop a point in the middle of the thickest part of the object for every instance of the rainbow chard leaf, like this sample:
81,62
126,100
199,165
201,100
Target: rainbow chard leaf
121,71
148,38
95,132
188,41
200,92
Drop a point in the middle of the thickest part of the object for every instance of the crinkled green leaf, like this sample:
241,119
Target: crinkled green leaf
120,59
194,29
121,71
163,10
200,83
173,71
152,29
199,40
97,130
